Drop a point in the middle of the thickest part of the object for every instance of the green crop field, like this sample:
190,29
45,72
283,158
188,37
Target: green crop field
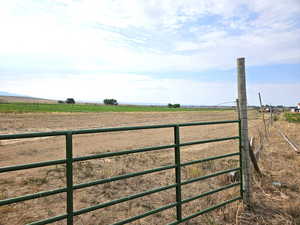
292,117
40,107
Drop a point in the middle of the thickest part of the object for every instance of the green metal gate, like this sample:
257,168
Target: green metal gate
70,186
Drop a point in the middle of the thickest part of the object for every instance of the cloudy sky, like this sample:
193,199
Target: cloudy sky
150,51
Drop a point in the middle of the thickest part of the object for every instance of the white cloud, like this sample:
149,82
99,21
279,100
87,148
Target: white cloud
151,35
124,36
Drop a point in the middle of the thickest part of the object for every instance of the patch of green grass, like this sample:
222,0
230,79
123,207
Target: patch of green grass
42,107
292,117
194,171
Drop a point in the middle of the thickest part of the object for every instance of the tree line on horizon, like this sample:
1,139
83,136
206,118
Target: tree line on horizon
110,101
107,101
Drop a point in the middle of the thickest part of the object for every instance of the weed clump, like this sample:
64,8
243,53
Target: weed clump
292,117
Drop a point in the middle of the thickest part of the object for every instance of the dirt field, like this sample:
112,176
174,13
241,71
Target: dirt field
41,179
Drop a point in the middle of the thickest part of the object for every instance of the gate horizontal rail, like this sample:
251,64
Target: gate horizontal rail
70,213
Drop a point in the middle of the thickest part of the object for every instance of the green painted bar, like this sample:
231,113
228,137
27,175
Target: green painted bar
209,159
32,135
209,176
100,130
32,165
49,220
130,197
207,123
69,174
116,129
103,181
32,196
177,173
206,210
149,127
209,140
209,192
129,220
110,154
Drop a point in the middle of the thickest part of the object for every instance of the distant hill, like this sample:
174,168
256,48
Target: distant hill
6,97
4,93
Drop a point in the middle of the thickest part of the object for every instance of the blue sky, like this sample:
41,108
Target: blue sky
151,51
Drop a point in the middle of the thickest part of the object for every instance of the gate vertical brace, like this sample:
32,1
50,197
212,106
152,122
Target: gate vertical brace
178,174
242,95
69,174
240,148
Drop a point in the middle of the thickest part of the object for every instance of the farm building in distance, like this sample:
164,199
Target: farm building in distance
296,109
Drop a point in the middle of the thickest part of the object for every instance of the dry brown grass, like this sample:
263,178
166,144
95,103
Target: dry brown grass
277,194
273,205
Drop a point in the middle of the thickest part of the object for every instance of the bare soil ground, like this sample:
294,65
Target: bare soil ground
41,179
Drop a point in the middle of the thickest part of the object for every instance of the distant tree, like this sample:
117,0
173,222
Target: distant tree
60,102
173,105
70,101
110,101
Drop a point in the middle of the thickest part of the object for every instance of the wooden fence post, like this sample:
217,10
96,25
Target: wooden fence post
271,111
242,95
263,113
